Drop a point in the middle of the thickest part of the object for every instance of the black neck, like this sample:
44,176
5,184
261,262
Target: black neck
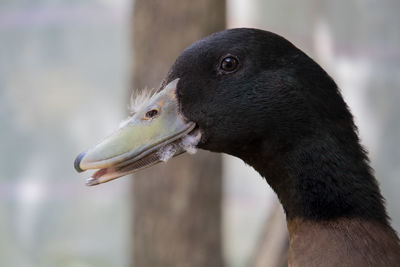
322,178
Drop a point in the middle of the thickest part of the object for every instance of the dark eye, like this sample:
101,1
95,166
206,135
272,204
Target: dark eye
229,64
151,114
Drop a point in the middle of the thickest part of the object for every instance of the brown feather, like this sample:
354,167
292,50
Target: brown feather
342,242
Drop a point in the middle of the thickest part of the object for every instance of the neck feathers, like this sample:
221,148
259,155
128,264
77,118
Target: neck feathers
331,178
323,178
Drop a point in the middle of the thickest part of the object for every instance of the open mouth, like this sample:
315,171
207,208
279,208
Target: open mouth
183,142
155,132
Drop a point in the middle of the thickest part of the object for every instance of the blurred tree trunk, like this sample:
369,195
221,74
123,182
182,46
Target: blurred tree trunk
176,206
272,247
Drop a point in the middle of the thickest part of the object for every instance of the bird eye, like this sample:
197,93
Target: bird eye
229,64
151,114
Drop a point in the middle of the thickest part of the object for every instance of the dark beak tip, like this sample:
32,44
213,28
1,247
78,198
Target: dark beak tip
78,162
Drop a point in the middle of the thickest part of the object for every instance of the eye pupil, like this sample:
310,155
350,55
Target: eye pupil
229,64
151,113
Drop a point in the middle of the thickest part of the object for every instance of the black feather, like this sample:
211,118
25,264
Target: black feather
282,114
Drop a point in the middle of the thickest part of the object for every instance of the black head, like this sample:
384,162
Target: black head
256,96
242,86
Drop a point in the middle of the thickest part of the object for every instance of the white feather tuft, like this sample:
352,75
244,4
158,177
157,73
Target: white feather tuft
166,152
189,143
140,99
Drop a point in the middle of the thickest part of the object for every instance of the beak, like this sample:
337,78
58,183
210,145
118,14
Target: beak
156,132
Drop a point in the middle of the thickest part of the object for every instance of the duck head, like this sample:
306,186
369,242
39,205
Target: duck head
241,91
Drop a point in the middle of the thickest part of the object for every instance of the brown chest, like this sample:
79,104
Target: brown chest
343,242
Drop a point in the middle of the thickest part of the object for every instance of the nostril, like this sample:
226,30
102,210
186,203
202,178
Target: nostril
151,113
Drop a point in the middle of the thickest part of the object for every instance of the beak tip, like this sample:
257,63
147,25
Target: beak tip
77,162
91,181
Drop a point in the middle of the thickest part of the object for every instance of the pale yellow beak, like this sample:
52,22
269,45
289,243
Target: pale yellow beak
137,144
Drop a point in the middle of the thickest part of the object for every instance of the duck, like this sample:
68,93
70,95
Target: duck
254,95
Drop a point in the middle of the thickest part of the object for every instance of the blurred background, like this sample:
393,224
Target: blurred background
67,69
